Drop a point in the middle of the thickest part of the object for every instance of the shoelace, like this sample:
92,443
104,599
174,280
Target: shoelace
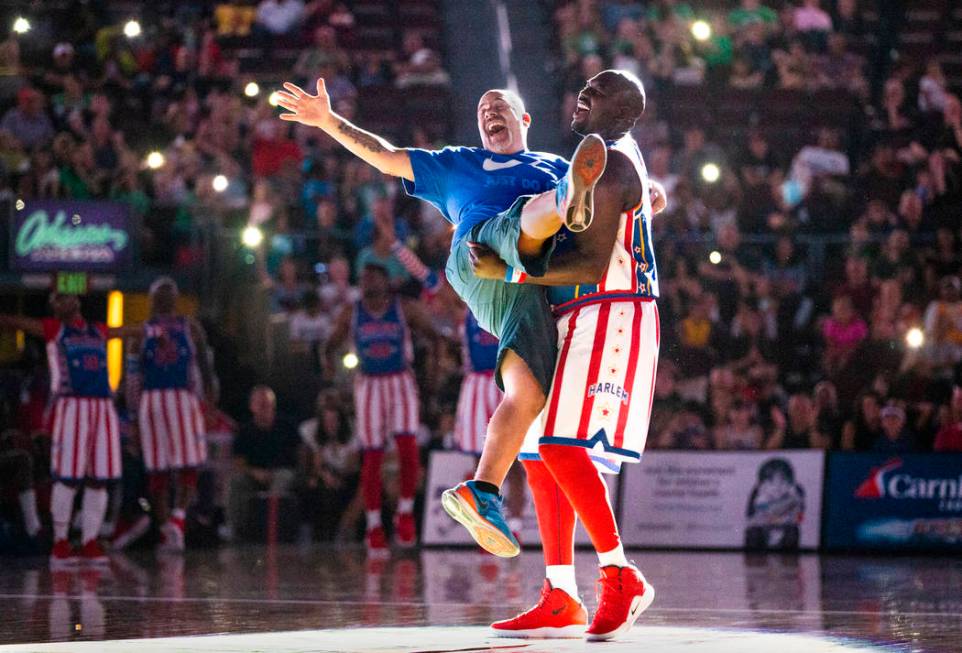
612,584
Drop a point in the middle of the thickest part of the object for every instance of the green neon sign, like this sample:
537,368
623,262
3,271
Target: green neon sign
38,232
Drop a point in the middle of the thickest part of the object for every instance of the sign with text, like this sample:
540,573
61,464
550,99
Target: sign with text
71,235
448,468
880,501
753,499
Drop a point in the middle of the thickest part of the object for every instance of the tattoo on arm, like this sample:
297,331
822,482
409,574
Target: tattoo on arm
361,137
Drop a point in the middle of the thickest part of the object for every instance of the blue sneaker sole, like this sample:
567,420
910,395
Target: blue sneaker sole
489,537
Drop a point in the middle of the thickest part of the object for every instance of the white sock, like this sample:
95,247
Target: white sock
614,557
61,505
94,510
562,577
28,506
405,506
373,519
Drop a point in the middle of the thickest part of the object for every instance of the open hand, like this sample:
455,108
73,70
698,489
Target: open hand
307,109
485,263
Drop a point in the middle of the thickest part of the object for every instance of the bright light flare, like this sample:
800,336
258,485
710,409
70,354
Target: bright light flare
701,30
132,29
252,89
714,257
350,360
710,172
156,160
914,338
272,99
21,25
219,183
252,237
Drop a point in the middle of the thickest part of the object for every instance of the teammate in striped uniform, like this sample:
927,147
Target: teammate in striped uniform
479,393
84,427
385,396
173,371
604,283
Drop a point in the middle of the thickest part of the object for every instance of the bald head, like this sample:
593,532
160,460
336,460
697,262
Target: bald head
503,122
610,104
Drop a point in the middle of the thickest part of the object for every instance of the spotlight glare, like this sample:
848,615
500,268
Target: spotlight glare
701,30
272,99
21,25
156,160
252,237
219,183
710,172
715,257
350,360
252,89
914,338
132,29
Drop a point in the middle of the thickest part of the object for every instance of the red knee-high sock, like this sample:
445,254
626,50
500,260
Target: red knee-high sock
586,490
371,464
410,463
556,517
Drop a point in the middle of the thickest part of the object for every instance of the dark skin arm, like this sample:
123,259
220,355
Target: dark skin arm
618,190
342,328
203,360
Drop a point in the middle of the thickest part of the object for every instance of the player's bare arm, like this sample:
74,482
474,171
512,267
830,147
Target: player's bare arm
199,337
316,111
339,335
28,325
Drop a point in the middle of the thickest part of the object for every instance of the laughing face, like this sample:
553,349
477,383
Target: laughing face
609,104
590,111
502,123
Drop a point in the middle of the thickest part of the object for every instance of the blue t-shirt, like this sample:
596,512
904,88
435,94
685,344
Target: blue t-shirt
469,185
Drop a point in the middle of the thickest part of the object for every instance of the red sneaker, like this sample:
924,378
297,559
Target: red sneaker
62,554
376,540
92,552
624,595
405,530
556,615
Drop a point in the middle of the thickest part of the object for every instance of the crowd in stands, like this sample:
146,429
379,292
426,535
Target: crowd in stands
791,284
792,277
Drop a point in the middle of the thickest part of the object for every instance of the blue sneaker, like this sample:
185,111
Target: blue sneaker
480,512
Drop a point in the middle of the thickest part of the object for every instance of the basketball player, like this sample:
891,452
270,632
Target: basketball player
385,396
173,372
604,285
486,193
85,431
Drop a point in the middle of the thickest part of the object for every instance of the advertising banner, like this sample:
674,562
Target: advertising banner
448,468
753,499
883,502
70,235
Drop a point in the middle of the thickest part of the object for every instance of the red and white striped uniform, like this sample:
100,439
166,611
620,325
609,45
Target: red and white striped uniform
477,402
385,405
171,430
85,439
608,342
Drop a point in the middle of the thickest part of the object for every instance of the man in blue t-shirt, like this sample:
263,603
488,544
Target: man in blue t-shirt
503,196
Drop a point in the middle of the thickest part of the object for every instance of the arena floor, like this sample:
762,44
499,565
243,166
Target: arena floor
288,599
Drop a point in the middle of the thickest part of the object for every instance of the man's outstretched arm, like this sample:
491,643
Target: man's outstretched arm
315,111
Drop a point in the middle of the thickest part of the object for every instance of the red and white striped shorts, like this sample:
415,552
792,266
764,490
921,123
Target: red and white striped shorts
476,404
171,430
385,405
86,439
603,383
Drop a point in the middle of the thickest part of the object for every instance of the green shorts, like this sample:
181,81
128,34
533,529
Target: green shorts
517,314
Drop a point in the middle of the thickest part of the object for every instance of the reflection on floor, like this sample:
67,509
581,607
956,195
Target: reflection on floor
287,599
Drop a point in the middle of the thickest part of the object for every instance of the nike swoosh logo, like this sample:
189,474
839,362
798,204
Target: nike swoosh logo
558,611
490,165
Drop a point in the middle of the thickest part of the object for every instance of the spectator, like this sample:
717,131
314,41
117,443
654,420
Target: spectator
801,430
843,332
932,92
949,436
943,327
861,432
812,21
265,454
27,121
842,69
895,437
740,431
287,290
333,470
280,17
324,53
752,12
337,290
857,285
422,65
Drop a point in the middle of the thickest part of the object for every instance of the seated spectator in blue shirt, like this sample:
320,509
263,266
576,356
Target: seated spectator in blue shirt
895,437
